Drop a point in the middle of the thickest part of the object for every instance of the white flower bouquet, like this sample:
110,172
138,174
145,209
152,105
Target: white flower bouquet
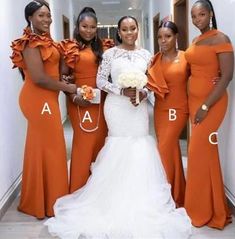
133,79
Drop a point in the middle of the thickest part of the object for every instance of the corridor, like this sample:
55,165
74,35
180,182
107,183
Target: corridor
13,125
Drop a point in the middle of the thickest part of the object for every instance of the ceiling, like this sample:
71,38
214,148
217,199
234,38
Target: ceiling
110,11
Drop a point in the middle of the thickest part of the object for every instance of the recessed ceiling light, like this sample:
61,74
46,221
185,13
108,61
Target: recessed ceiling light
130,8
110,2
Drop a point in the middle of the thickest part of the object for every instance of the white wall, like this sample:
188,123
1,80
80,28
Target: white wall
152,9
12,122
58,9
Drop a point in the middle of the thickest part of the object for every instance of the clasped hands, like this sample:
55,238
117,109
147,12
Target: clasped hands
131,93
77,99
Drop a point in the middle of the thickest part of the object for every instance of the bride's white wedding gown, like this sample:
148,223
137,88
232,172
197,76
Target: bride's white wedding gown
127,195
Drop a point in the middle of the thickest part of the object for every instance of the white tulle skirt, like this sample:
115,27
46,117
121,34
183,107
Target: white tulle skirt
127,196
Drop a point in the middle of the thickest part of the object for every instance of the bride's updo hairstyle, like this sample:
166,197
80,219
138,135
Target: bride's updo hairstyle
119,25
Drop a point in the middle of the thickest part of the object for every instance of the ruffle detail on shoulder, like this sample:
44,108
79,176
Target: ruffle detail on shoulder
225,47
156,80
70,50
108,43
44,42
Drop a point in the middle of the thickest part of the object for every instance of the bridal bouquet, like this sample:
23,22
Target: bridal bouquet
133,79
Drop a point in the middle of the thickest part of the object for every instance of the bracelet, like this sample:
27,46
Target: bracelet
74,98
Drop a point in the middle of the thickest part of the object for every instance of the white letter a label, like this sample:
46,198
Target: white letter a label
46,108
87,117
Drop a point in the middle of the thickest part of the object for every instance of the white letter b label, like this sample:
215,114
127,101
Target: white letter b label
172,115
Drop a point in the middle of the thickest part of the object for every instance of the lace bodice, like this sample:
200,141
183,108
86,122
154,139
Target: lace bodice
116,61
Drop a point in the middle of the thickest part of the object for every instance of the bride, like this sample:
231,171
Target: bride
127,194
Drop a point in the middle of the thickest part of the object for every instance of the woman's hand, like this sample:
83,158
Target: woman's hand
142,95
71,88
67,79
200,116
131,93
78,100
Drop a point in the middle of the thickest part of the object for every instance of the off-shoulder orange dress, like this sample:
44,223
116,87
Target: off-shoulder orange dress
45,169
205,199
168,80
89,127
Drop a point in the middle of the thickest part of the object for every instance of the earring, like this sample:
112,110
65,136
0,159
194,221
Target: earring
31,26
211,24
176,45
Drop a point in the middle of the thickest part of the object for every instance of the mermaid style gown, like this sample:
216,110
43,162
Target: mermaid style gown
127,194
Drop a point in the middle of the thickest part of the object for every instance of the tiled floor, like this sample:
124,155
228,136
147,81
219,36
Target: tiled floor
16,225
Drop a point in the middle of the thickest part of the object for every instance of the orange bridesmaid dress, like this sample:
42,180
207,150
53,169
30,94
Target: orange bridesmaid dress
89,127
45,169
205,199
168,80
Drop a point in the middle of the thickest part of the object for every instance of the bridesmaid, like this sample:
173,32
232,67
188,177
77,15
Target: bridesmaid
210,56
45,169
168,76
82,57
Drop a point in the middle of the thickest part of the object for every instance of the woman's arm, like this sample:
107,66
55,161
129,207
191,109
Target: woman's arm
34,63
103,75
226,62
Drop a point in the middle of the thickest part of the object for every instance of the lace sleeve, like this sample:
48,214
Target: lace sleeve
104,70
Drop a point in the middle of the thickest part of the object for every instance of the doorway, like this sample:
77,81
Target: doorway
66,30
156,22
181,20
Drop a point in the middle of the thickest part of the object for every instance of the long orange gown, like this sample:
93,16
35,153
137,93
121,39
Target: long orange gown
86,145
168,80
45,169
205,199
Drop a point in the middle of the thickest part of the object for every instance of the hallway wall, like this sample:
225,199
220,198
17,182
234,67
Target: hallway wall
150,10
58,9
12,121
